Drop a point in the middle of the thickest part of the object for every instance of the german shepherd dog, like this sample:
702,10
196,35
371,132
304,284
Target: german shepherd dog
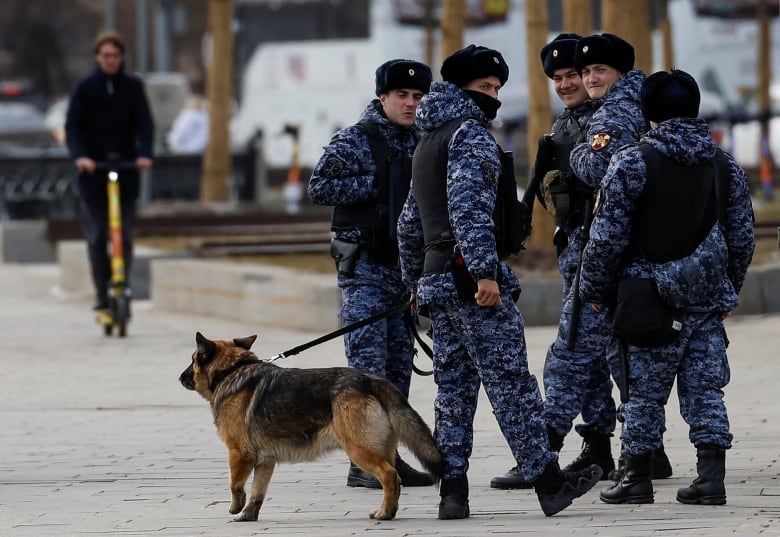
267,414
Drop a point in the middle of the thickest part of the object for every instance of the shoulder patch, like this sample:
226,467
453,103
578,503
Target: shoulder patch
600,141
332,167
489,171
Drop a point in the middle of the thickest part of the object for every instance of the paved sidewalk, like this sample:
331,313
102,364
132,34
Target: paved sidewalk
99,438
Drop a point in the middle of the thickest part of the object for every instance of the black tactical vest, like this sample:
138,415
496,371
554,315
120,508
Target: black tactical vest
568,131
377,219
678,205
429,168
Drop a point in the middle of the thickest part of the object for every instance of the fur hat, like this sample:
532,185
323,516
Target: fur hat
559,53
666,95
474,62
403,74
608,49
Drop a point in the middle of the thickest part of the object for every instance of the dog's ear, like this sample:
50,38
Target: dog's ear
245,342
206,347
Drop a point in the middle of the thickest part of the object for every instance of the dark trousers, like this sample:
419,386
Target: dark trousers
95,224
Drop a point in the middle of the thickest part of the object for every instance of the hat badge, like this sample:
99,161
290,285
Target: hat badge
555,53
585,49
496,60
411,72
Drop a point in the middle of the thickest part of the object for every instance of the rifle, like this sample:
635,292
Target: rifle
545,155
576,304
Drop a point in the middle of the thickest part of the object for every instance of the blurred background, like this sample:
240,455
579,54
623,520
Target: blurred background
245,93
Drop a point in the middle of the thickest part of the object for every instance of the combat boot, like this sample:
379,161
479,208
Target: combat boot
358,478
662,468
635,486
454,502
596,449
708,488
409,476
514,479
556,490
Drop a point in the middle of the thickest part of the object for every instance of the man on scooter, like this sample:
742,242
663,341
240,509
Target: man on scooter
108,115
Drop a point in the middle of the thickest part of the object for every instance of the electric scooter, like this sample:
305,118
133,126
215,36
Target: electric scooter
117,315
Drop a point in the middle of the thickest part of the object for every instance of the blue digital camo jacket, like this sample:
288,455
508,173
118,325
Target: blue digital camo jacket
473,170
617,122
686,141
346,173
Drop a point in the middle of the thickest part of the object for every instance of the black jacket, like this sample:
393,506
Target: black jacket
109,113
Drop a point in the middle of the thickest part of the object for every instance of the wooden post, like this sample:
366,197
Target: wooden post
430,32
764,103
630,20
666,33
453,15
217,165
539,110
613,16
578,16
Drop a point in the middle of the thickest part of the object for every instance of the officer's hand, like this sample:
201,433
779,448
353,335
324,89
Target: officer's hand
545,149
85,164
143,163
488,293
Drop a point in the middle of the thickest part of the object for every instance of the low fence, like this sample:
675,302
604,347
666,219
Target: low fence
44,186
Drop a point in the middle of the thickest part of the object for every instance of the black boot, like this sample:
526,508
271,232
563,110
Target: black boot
596,449
358,478
708,488
454,502
409,476
662,468
514,479
635,486
556,490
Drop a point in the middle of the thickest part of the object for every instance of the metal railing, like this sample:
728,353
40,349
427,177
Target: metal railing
44,186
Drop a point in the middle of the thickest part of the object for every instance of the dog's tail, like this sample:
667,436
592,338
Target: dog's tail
412,430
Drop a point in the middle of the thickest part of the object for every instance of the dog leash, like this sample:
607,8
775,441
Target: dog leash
341,331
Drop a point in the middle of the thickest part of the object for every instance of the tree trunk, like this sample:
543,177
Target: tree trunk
578,16
215,182
539,110
453,14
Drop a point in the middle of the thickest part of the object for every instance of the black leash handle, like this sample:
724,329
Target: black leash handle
343,330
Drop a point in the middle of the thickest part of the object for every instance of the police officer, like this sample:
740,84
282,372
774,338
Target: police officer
450,260
564,195
365,173
674,196
606,64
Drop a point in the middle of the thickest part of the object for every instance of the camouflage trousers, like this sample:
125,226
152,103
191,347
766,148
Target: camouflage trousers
699,364
473,345
384,348
578,381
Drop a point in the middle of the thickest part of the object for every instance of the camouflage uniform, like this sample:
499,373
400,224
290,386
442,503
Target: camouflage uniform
345,174
578,381
698,358
473,344
574,378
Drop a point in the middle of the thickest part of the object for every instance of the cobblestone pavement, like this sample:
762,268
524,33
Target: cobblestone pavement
99,438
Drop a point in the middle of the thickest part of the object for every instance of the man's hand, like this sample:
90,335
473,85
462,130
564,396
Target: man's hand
143,163
85,164
488,293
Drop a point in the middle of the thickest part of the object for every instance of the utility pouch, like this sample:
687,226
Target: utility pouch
556,190
464,283
345,254
641,318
